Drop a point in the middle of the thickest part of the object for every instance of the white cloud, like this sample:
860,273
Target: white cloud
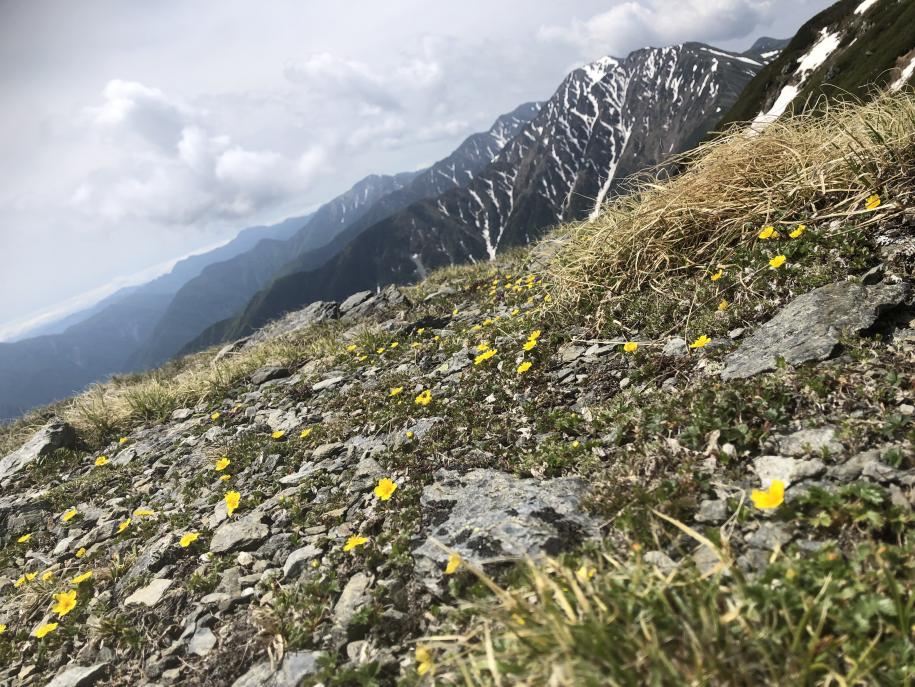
635,24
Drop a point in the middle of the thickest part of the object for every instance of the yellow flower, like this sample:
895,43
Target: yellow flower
515,312
69,515
585,573
576,443
124,525
24,538
718,275
454,562
394,344
873,202
351,348
529,344
31,576
355,541
534,335
524,367
47,576
188,539
385,489
379,350
482,347
80,552
424,662
66,602
79,579
455,311
425,398
144,513
305,433
421,330
2,628
487,322
222,464
768,232
45,630
486,355
395,390
777,261
21,581
630,347
101,460
701,342
771,497
232,498
798,231
225,478
723,305
215,416
410,435
122,440
278,434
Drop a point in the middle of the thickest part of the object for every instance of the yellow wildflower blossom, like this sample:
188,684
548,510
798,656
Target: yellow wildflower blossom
305,433
394,344
45,630
585,573
351,348
101,460
225,478
723,305
777,261
701,342
31,576
454,562
424,662
47,576
385,488
144,513
482,347
425,398
123,440
630,347
768,232
188,538
421,330
718,275
771,497
80,552
278,434
379,350
66,602
222,464
2,628
79,579
24,538
215,416
124,525
19,582
232,499
395,390
355,541
524,367
485,355
873,202
800,229
529,344
69,515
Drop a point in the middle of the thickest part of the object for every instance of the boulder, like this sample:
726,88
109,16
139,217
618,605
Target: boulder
809,328
238,535
54,435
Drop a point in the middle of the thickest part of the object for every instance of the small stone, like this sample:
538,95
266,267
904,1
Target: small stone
661,561
298,559
269,373
905,409
79,676
788,470
712,511
181,414
237,535
327,383
149,595
806,441
675,347
768,536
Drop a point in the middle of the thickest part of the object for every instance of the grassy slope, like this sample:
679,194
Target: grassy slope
640,272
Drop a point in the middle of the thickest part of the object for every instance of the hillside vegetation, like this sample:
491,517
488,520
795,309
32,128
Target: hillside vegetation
549,469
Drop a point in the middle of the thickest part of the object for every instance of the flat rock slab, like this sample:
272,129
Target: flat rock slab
54,435
810,326
788,470
149,595
79,676
295,667
489,516
812,441
238,535
268,373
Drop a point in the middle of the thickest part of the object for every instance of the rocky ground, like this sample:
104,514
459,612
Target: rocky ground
355,511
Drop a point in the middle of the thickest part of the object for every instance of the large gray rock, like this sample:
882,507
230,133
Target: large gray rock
54,435
352,599
149,595
788,470
298,560
813,441
489,516
810,326
238,535
79,676
295,667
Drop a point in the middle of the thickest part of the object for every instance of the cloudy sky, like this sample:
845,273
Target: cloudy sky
134,132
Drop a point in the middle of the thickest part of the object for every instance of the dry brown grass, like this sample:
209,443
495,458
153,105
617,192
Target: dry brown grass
810,168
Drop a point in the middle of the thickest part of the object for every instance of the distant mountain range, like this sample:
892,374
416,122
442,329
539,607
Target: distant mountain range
606,121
